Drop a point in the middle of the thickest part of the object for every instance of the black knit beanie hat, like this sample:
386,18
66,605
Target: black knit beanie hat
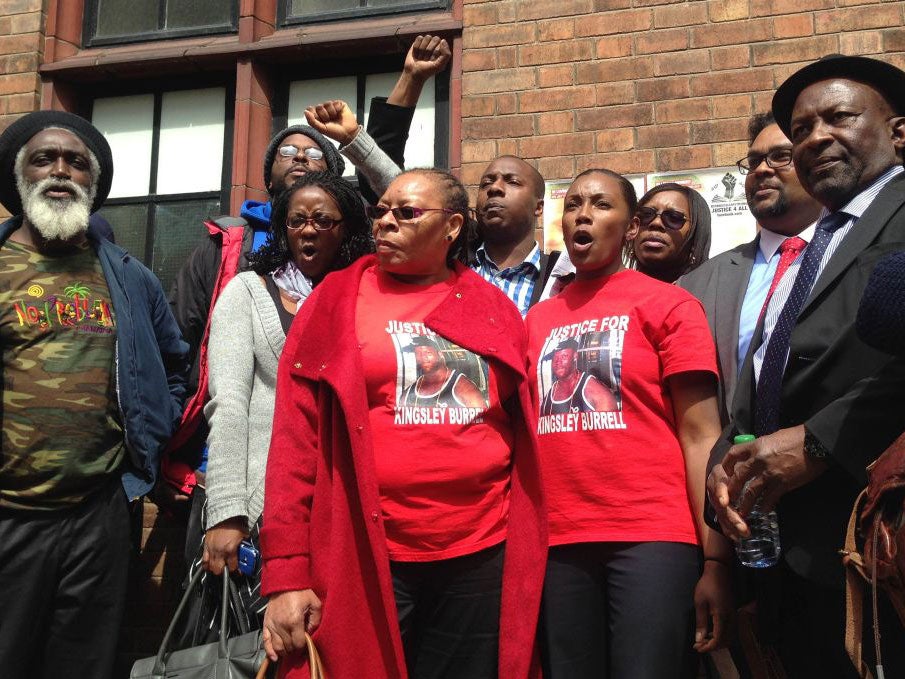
335,162
20,133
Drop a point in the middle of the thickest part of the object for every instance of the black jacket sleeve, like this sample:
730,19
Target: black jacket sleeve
389,126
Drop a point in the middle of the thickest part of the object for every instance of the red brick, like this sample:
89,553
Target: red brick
710,131
623,162
614,70
478,60
672,16
556,168
685,158
868,42
658,136
657,42
615,140
612,117
25,23
556,30
556,76
760,8
763,100
682,110
612,23
5,25
505,80
19,103
793,26
858,18
660,89
506,103
477,151
733,33
556,145
556,122
559,99
649,3
477,106
689,61
727,153
615,46
732,82
722,58
506,10
20,6
555,52
894,40
606,5
16,44
796,50
497,127
727,10
480,15
19,63
732,106
507,57
507,147
494,36
615,93
19,83
543,9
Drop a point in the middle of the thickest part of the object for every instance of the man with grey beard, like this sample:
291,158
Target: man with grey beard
735,286
94,372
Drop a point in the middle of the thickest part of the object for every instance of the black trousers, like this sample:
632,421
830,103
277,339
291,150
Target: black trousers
619,610
63,588
449,615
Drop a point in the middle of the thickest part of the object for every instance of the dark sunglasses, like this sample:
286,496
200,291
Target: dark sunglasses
671,219
406,213
319,222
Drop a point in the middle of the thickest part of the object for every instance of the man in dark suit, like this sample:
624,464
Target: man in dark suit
734,286
822,403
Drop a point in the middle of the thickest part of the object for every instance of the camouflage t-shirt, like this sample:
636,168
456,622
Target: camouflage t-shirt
61,434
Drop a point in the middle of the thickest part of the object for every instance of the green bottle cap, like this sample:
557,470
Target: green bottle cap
744,438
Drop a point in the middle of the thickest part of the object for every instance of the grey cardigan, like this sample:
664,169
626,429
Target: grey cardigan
246,340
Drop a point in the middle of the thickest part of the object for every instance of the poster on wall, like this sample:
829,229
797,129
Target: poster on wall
723,188
554,195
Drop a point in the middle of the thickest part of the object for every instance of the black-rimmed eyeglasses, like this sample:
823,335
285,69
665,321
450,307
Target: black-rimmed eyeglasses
774,159
406,213
319,222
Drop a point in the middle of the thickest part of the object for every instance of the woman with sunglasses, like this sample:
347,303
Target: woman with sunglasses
673,232
409,532
635,580
319,225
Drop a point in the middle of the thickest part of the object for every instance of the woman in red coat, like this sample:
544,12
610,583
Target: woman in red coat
409,533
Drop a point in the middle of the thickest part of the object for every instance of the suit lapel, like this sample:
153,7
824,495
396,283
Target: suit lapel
733,282
862,234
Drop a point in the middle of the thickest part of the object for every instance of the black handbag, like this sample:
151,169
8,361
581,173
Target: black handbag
239,657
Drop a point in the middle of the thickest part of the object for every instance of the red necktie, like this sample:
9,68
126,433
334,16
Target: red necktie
789,249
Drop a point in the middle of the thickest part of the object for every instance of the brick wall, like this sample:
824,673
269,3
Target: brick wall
643,85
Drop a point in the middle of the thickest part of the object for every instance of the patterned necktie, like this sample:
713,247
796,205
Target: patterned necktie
789,250
769,385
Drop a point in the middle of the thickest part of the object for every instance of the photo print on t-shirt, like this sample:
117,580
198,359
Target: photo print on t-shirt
579,376
437,381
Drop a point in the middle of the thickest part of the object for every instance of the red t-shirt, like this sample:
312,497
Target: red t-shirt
599,355
442,440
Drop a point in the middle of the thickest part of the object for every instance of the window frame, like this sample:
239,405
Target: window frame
152,199
285,18
90,16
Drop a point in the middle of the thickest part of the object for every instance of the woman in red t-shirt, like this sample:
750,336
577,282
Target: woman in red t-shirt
403,517
624,377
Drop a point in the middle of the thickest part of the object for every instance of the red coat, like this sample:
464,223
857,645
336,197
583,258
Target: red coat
322,521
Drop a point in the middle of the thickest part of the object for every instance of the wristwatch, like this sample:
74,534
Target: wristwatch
814,449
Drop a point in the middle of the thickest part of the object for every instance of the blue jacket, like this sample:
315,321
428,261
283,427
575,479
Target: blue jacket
151,360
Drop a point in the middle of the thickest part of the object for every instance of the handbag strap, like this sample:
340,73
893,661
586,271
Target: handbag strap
314,662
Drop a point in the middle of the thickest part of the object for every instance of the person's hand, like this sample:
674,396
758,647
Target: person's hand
169,498
771,466
287,617
427,57
333,119
732,524
221,545
713,607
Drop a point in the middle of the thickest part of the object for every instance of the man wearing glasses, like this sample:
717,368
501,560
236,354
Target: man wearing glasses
735,286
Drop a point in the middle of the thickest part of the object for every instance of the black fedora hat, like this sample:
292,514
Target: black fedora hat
884,77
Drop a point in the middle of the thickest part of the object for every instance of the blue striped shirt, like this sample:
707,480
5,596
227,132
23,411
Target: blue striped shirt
854,208
517,281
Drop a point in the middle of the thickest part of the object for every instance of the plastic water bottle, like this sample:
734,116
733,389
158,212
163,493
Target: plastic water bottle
761,550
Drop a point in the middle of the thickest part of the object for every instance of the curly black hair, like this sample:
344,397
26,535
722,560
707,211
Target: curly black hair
357,240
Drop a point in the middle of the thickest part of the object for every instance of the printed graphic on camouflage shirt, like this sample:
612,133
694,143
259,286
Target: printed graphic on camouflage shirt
437,382
579,376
